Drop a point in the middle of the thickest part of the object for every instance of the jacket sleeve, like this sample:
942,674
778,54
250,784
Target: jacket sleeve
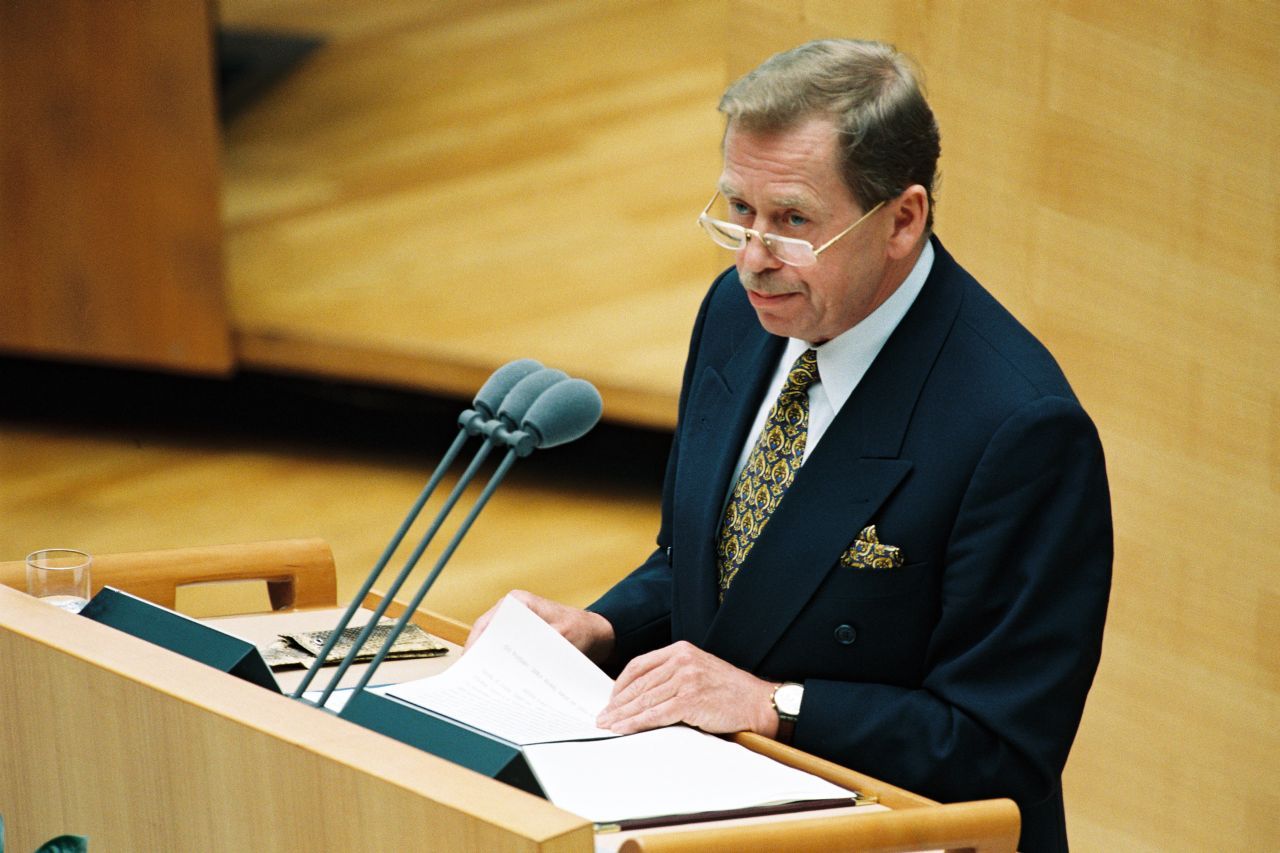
1023,599
639,606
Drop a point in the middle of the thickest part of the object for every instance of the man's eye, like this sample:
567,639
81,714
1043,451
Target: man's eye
795,220
737,208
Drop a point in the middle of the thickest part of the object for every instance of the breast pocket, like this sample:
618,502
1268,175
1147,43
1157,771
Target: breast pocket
862,583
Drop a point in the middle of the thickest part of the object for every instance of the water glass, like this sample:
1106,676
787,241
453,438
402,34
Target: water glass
59,576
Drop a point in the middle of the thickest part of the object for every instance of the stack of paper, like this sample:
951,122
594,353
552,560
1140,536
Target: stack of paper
524,683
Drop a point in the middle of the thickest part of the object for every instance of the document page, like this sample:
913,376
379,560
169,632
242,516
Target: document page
521,681
671,771
526,684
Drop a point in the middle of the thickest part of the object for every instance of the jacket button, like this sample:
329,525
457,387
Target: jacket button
845,635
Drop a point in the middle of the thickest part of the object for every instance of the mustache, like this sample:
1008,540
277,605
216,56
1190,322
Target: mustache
763,283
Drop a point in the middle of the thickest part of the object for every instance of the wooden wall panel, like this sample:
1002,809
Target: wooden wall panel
110,240
446,186
1110,171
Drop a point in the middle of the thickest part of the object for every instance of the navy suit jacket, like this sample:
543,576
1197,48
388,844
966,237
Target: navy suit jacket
963,673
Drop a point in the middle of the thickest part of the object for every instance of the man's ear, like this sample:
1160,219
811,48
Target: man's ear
910,212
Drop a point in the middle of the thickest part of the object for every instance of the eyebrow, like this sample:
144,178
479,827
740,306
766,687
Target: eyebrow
804,202
801,201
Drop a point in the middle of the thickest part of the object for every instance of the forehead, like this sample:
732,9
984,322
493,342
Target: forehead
793,167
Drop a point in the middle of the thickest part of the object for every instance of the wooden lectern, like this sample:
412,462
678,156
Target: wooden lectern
138,748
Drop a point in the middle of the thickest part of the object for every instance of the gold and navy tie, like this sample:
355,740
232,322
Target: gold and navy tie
770,469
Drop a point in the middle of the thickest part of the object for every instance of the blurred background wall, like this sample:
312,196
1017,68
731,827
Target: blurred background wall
441,186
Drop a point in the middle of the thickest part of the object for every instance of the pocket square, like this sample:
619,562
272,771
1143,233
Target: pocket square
866,552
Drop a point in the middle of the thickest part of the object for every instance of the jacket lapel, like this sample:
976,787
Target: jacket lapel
851,473
718,415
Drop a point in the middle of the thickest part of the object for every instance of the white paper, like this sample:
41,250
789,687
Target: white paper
521,681
524,683
338,698
670,771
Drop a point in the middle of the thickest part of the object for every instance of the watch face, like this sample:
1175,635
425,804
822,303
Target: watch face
787,699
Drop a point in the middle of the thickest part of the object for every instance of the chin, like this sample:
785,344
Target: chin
780,327
770,323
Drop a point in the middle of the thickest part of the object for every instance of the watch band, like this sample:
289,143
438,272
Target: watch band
786,730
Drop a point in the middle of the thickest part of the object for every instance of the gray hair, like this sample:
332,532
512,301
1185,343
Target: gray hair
888,136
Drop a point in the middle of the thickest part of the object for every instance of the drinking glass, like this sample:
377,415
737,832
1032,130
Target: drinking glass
59,576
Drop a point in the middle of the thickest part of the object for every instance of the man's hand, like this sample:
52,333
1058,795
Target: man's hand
683,684
589,632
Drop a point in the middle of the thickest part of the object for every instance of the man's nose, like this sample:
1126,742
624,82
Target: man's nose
756,257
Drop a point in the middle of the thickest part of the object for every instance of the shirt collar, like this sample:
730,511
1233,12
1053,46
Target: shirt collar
843,360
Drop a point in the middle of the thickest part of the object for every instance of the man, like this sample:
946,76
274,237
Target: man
886,530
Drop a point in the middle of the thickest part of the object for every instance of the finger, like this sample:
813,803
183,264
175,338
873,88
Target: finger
642,700
640,719
480,624
640,675
544,608
526,598
476,630
678,655
478,627
653,688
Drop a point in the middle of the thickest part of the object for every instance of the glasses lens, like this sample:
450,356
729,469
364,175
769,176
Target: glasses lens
725,234
797,253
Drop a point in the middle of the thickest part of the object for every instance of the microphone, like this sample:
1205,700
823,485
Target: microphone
496,388
559,410
563,413
522,395
501,415
471,422
525,392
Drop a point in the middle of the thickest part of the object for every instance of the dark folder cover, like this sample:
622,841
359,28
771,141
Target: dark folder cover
438,735
177,633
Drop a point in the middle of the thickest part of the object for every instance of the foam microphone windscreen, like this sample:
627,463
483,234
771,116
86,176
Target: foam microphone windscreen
495,389
566,411
525,392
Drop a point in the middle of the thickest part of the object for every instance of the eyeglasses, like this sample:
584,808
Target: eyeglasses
789,250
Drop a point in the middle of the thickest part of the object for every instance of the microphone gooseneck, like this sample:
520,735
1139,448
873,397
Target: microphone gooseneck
522,406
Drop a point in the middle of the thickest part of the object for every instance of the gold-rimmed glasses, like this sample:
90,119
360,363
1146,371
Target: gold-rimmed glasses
789,250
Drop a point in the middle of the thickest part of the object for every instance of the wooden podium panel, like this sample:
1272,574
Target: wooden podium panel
108,736
138,748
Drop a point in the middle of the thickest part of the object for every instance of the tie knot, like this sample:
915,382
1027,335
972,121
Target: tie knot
803,373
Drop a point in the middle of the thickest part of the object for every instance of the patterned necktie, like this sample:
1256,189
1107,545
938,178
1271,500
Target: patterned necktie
770,469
